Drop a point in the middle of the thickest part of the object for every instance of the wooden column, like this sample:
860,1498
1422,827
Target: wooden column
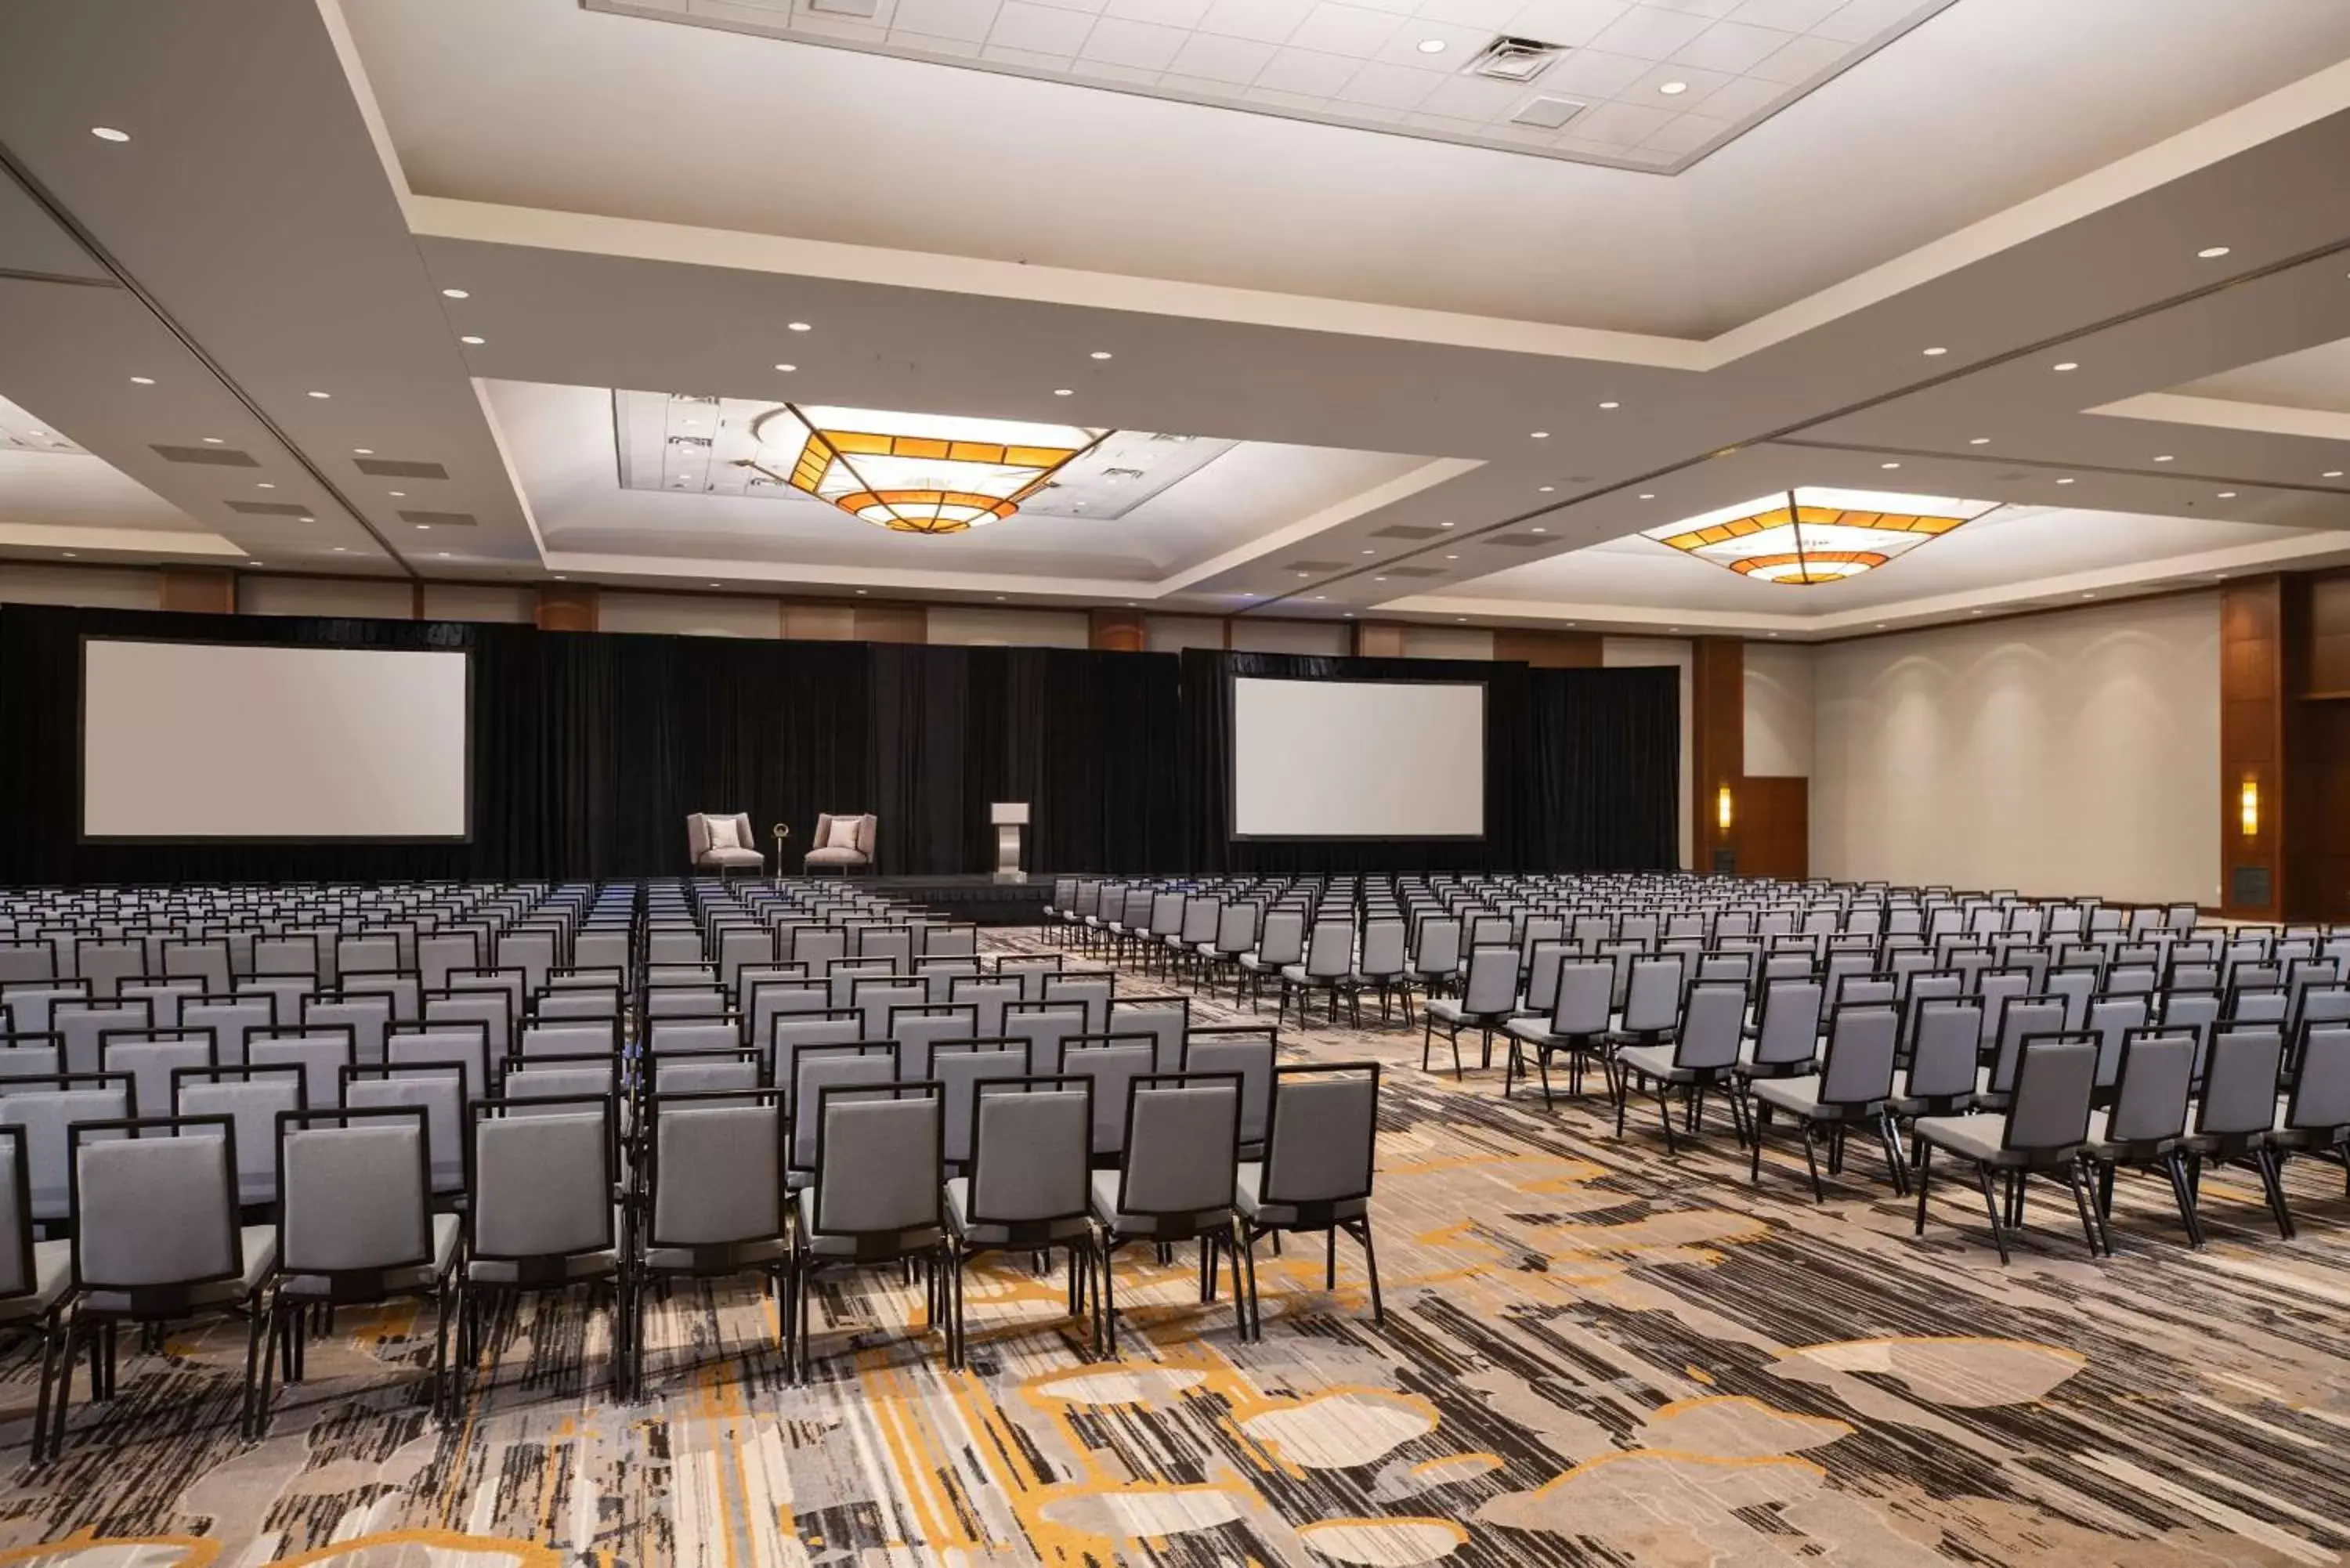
1378,639
890,623
1117,631
2316,842
1717,747
199,590
562,607
2251,747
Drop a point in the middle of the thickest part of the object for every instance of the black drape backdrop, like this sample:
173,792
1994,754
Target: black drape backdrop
590,749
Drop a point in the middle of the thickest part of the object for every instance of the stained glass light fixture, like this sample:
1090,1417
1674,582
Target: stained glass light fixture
914,473
1818,535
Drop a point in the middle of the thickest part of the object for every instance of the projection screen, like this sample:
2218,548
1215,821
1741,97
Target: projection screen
219,741
1358,758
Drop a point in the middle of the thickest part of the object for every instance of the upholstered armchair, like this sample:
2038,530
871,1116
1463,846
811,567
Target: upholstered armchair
722,842
843,844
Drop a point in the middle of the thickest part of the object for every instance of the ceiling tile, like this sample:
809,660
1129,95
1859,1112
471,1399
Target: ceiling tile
1393,7
1800,60
1590,73
1473,98
1346,29
1139,45
961,49
1733,47
1114,71
1035,60
1039,29
1166,13
1572,22
1625,124
1860,20
1266,21
1205,86
1399,87
1460,45
1650,34
1696,7
1445,123
1742,96
1304,71
1281,99
1697,87
1220,58
1686,134
1490,15
1787,16
964,20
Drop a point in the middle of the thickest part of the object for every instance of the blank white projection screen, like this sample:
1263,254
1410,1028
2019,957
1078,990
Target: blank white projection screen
214,740
1358,758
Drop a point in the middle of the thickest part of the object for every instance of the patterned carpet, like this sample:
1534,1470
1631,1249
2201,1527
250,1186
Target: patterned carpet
1595,1354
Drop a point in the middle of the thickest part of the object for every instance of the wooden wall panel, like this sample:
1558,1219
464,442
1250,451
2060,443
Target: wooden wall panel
2251,745
1376,639
1772,821
890,623
1118,631
201,590
1717,745
1549,650
2324,661
564,607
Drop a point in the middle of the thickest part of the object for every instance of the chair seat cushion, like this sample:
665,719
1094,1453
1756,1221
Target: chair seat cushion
1105,1206
1977,1135
1253,1205
577,1266
52,1274
1907,1104
753,1254
1068,1228
1655,1062
837,1245
1448,1009
446,1232
730,858
1798,1097
2101,1145
260,1243
842,857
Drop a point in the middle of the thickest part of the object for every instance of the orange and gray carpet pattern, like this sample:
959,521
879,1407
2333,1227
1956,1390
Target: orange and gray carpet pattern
1593,1354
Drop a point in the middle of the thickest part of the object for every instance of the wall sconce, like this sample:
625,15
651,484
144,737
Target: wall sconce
2249,808
1721,807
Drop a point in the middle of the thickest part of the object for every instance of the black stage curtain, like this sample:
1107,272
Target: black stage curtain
590,749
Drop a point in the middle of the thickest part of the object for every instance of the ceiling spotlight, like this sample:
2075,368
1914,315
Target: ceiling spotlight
339,550
1541,435
424,528
1101,354
396,495
142,380
2211,253
1431,46
787,369
2227,495
1538,530
1930,354
363,450
1451,558
2069,364
108,133
322,394
1305,573
1548,489
717,585
1974,612
1446,524
442,553
209,441
476,342
1978,440
999,598
1065,391
1611,405
1888,465
2331,473
68,555
1375,552
264,484
2088,596
454,294
860,593
1378,579
1647,495
2063,482
1673,89
799,326
2166,457
561,579
1463,618
1321,598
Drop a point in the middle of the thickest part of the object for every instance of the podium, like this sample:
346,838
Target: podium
1009,818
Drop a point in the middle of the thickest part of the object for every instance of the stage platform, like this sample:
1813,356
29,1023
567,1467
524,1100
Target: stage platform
980,898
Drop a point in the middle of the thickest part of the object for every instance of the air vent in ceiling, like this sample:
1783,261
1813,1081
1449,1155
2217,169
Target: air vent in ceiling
1412,572
1520,541
445,519
392,468
866,8
219,456
1406,531
1543,112
1313,567
1514,59
270,508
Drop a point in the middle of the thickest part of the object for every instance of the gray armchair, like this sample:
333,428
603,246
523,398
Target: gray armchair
742,857
825,852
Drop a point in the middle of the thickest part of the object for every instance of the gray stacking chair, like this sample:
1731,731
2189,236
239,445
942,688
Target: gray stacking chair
46,1110
440,1091
1111,1064
1091,990
1280,941
230,1018
1250,1050
356,1227
1029,1184
1702,1054
2113,1019
991,995
2235,1111
1328,968
878,996
2315,1118
252,1099
938,975
2145,1126
2020,1019
878,1195
34,1275
366,1015
81,1026
163,998
566,1004
1179,1178
1783,1041
149,1057
813,1069
714,1204
960,1068
1029,970
1046,1026
1488,999
402,992
571,1037
2045,1127
1854,1088
540,1175
1166,1019
1582,1008
32,1006
921,1028
842,1026
1236,924
669,1036
1381,967
1436,959
321,1052
733,1069
1317,1173
156,1240
1653,989
30,1056
466,1045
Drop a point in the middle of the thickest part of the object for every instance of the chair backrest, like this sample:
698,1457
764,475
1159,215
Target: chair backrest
1248,1051
163,997
1045,1025
2020,1019
1330,949
230,1018
550,1077
2111,1019
877,997
465,1046
1283,940
150,1057
1491,986
686,1001
1857,1069
2239,1080
253,1098
2055,1079
80,1024
692,1035
568,1038
1652,997
1183,1144
1092,991
918,1029
46,1110
958,1069
540,1185
879,1161
1711,1026
1235,927
1029,1143
1320,1146
155,1213
322,1053
2321,1084
1383,948
18,1274
1112,1062
358,1195
1586,997
815,1068
991,995
716,1175
1787,1022
2154,1079
1166,1019
404,992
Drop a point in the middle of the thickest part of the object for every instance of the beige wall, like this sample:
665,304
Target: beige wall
480,601
389,598
982,625
2059,753
1628,652
1447,642
96,588
1174,633
1779,709
687,615
1255,636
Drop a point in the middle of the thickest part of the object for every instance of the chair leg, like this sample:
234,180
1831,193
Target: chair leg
442,1410
1244,1266
1924,1175
2081,1202
1990,1203
1330,1258
1754,1161
1888,1140
1106,1341
2176,1169
2271,1173
50,1328
1235,1238
65,1389
1371,1267
246,1423
1812,1158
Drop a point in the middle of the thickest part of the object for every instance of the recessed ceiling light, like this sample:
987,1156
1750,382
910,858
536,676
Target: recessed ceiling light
108,133
1611,405
396,495
2227,495
1378,579
787,369
455,294
860,592
561,579
2088,596
308,518
1065,391
1370,552
2331,473
1541,435
476,342
1978,440
1431,46
1673,89
2069,364
1305,573
253,562
1538,530
264,484
363,450
67,554
322,394
2212,252
999,598
339,550
1348,613
1930,354
1463,618
1447,523
1321,598
1672,628
1974,612
717,585
1451,558
799,325
142,380
1102,354
1548,489
209,441
2166,457
2063,482
442,553
1888,465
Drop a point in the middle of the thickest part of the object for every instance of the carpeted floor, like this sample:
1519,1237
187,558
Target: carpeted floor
1593,1354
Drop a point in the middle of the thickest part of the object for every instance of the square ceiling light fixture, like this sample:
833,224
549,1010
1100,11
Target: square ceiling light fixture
1813,535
